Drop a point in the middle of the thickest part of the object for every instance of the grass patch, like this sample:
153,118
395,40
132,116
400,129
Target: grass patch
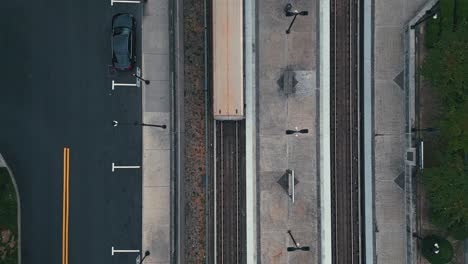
8,220
446,68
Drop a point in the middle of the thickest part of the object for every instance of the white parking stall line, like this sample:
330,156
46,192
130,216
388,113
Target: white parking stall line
114,167
124,251
125,2
114,84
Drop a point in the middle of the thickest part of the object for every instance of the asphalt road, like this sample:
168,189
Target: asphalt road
55,91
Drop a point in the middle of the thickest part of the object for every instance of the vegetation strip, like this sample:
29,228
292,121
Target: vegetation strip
8,219
446,68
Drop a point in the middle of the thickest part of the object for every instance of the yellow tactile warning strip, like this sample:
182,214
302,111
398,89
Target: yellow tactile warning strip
66,203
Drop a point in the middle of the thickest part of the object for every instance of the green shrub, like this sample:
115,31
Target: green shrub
8,219
459,231
432,31
446,67
437,250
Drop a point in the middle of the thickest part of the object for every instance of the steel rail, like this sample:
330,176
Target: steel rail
345,132
229,220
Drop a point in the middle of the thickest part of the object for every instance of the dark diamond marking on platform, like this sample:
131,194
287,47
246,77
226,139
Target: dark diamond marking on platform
284,182
280,81
400,180
399,79
287,82
294,81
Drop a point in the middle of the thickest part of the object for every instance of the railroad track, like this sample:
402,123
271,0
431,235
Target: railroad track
345,138
229,182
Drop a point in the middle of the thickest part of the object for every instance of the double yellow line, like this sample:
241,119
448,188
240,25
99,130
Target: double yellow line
66,203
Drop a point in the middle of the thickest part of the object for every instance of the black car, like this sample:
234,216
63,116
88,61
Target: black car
123,42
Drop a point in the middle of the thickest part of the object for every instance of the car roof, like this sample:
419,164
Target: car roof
121,53
121,43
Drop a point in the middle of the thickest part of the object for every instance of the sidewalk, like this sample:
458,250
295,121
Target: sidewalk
279,110
389,126
156,141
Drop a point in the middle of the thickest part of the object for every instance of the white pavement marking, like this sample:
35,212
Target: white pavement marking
114,84
325,174
421,155
250,131
123,167
124,251
291,185
125,2
138,74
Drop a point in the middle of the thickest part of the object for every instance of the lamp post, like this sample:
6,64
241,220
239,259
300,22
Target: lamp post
431,13
295,13
427,129
139,78
414,129
290,249
136,123
297,246
147,253
297,131
150,125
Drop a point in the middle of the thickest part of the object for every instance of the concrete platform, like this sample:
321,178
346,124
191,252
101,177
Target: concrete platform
389,126
278,111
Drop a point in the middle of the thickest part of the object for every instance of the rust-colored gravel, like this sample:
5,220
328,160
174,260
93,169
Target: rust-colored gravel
194,131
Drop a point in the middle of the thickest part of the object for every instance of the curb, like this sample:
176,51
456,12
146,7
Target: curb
251,99
4,164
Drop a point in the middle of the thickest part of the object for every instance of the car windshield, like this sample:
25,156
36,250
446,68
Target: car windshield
121,30
123,20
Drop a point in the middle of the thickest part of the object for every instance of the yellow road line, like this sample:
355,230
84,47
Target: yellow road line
64,201
66,204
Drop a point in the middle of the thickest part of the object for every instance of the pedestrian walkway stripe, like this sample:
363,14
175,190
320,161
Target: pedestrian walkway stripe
66,204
